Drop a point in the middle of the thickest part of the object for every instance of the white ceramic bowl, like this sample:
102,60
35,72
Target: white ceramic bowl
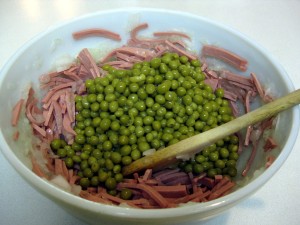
37,56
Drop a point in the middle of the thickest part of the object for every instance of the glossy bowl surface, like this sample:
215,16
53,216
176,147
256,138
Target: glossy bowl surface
39,54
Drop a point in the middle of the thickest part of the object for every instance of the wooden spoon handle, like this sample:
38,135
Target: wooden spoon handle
196,143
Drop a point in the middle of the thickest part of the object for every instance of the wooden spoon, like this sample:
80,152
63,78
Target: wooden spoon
194,144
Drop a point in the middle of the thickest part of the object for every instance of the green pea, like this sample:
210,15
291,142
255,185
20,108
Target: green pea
143,146
181,91
126,160
76,158
135,154
110,183
123,140
117,168
155,63
220,164
79,139
69,162
56,144
183,59
115,125
97,153
107,145
134,87
219,92
232,171
140,106
61,152
198,168
89,131
94,181
212,172
87,172
84,182
224,153
188,168
105,124
160,99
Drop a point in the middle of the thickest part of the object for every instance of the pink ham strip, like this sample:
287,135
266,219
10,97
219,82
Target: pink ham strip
47,86
248,134
96,32
45,78
236,78
156,196
225,55
37,169
257,85
141,201
270,160
250,160
179,43
58,117
40,130
47,114
90,197
160,50
72,75
67,125
240,149
55,97
120,64
212,82
270,144
229,95
133,51
88,62
134,31
219,192
16,112
54,90
175,191
70,105
147,175
143,43
235,109
211,74
171,33
220,181
16,135
29,113
180,51
247,101
62,103
199,195
242,86
127,58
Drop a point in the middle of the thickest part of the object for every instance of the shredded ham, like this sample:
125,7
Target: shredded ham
96,32
180,51
270,144
16,112
88,62
135,30
225,55
161,196
270,160
171,33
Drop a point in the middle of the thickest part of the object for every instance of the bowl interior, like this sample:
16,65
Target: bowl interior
39,55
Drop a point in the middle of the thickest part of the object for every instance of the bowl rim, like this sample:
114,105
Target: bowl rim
54,192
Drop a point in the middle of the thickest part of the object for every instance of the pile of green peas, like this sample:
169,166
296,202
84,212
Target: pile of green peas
154,104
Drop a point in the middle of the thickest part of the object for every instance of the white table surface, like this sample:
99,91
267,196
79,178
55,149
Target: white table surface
273,23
